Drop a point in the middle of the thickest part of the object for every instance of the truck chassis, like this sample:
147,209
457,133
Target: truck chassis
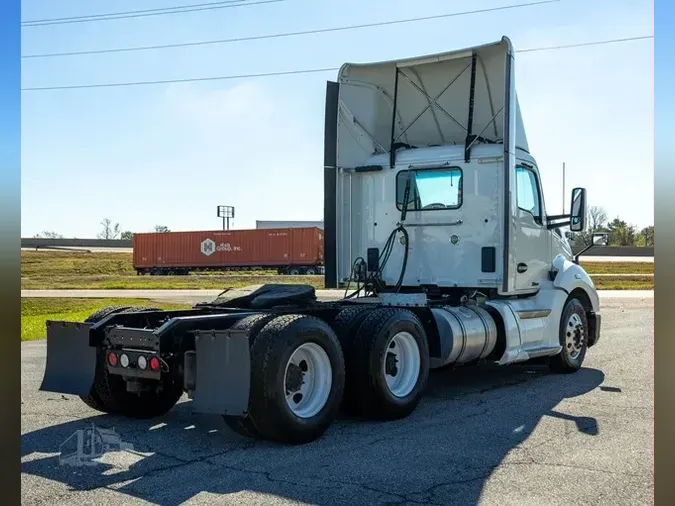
277,364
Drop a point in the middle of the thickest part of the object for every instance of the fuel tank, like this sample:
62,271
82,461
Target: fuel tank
467,333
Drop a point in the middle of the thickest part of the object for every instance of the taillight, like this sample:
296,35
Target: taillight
112,359
154,364
142,362
124,360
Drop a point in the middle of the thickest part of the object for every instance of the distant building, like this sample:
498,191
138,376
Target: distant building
288,224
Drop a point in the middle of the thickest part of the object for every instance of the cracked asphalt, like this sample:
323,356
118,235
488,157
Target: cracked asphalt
491,436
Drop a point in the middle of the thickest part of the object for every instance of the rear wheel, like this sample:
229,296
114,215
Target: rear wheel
109,393
347,322
297,379
573,339
387,365
93,400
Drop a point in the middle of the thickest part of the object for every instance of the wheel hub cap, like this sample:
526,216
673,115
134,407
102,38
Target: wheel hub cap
307,380
574,336
402,363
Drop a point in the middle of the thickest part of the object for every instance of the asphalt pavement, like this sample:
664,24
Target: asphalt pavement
516,435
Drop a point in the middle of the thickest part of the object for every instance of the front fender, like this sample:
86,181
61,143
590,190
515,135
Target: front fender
570,276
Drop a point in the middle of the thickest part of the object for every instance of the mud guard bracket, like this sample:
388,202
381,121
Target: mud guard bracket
71,362
218,372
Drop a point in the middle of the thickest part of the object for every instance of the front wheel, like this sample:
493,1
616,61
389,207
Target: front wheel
573,339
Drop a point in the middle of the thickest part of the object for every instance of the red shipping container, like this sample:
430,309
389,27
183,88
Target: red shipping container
269,248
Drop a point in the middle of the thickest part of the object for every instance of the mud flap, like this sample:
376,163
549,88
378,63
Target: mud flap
218,372
71,362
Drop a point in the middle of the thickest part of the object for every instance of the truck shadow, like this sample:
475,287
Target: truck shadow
471,421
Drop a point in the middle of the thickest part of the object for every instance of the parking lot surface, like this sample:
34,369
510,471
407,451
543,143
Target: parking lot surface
492,436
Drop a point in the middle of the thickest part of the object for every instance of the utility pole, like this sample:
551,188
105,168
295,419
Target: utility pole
563,188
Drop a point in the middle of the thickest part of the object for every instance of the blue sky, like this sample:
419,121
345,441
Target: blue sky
9,110
169,154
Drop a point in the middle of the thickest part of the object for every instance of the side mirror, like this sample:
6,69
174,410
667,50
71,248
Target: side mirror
596,240
578,210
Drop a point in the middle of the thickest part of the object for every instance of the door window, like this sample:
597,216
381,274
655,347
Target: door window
527,192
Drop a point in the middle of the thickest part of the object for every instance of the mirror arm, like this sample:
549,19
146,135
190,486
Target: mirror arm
551,221
551,226
559,217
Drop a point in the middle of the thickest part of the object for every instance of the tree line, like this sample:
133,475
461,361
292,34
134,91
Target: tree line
109,230
619,231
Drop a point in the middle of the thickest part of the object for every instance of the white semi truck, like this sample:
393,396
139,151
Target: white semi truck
435,227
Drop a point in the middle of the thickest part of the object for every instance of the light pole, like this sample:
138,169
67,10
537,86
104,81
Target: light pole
226,212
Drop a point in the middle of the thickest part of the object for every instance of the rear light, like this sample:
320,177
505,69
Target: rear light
112,359
142,362
124,360
154,364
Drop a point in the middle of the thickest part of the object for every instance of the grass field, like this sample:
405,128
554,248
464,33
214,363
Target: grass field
67,270
36,312
642,282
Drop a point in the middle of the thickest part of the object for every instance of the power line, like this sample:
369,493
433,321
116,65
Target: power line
88,16
585,44
300,71
288,34
227,4
187,80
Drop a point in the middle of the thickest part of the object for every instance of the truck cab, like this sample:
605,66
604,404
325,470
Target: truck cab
453,219
430,177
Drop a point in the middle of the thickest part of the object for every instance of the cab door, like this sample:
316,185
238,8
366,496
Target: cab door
531,241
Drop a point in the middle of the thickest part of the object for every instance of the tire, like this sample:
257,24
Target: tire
310,271
294,271
574,346
346,325
243,425
109,394
367,391
304,339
